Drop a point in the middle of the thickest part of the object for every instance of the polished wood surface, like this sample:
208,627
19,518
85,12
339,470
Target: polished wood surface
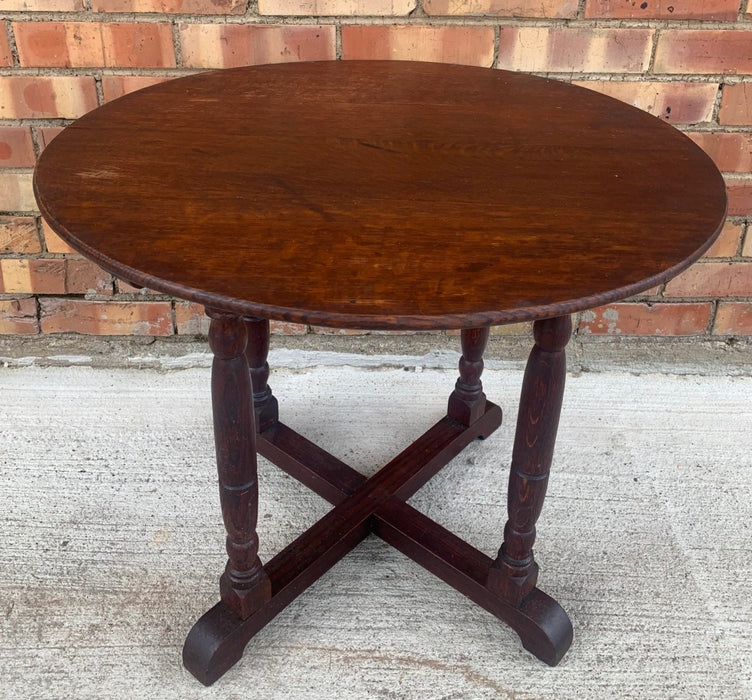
514,572
244,586
381,194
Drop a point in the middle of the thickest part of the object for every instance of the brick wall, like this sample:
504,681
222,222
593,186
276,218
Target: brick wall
686,61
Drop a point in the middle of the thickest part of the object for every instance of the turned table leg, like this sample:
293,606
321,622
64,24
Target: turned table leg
256,351
244,586
514,573
467,403
376,504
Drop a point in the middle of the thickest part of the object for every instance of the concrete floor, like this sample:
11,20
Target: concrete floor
111,538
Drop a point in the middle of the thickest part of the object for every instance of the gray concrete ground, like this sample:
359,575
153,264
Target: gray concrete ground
111,538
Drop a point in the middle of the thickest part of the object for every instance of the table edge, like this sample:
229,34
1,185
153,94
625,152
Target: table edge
415,322
478,319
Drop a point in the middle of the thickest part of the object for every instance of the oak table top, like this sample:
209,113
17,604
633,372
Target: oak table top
381,195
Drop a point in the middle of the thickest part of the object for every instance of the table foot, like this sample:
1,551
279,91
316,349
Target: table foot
543,627
213,645
217,641
364,505
541,623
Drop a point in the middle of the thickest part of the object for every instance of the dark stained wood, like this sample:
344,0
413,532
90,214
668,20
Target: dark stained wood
217,640
515,572
252,595
467,403
363,505
265,404
381,194
244,586
542,625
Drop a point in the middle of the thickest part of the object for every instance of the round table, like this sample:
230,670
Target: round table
380,195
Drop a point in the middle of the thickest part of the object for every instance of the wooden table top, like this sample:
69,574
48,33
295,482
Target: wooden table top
385,195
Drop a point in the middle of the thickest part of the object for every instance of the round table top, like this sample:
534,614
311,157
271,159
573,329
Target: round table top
390,195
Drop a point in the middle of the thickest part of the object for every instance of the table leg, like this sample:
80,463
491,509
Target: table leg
244,586
264,403
467,403
252,595
514,573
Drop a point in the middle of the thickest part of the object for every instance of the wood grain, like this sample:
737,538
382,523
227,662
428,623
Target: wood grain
381,194
244,586
515,571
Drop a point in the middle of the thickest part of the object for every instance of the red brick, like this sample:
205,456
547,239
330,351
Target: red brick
16,192
105,317
18,316
677,103
575,49
6,57
727,244
285,328
24,276
464,45
659,9
740,196
187,7
82,277
35,97
18,234
647,319
43,5
58,276
733,318
704,51
16,147
124,287
747,246
736,104
331,8
47,43
114,86
712,279
503,8
94,44
732,152
53,242
229,45
46,134
190,319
